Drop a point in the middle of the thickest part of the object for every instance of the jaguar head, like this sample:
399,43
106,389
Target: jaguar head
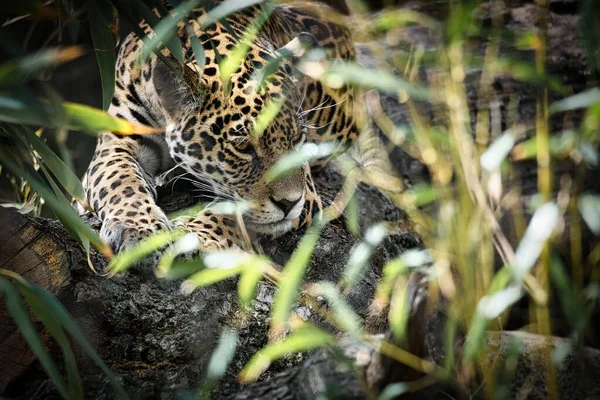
228,133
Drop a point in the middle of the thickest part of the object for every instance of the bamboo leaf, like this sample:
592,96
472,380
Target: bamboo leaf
64,211
360,254
62,315
41,310
77,117
297,158
17,311
219,361
224,9
303,339
292,275
165,29
104,46
18,71
59,169
346,319
145,247
589,206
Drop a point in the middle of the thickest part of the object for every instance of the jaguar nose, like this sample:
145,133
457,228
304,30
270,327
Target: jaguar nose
285,205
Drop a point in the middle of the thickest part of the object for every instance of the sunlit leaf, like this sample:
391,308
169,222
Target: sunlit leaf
224,9
303,339
393,391
540,228
339,74
360,254
584,99
249,280
419,195
223,354
346,319
492,306
127,258
78,117
292,275
589,206
561,146
399,309
266,116
497,152
187,244
351,216
297,158
220,265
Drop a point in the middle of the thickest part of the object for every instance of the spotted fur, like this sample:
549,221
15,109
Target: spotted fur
208,128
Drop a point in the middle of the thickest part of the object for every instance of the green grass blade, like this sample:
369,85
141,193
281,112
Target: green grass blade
145,247
346,319
303,339
59,169
292,275
61,314
219,361
64,211
104,46
40,308
164,29
224,9
20,70
361,254
297,158
19,314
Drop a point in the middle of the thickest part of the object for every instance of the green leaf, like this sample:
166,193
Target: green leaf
59,169
224,9
297,158
346,319
19,314
497,152
187,244
64,211
584,99
77,117
165,29
219,361
292,275
249,280
220,265
104,46
351,216
360,254
589,206
340,73
41,310
145,247
62,315
303,339
18,71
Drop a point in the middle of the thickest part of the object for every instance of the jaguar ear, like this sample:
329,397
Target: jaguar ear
299,46
177,86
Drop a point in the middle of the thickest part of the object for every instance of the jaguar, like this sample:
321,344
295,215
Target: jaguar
210,124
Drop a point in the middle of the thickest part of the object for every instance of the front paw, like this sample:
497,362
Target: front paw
125,229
